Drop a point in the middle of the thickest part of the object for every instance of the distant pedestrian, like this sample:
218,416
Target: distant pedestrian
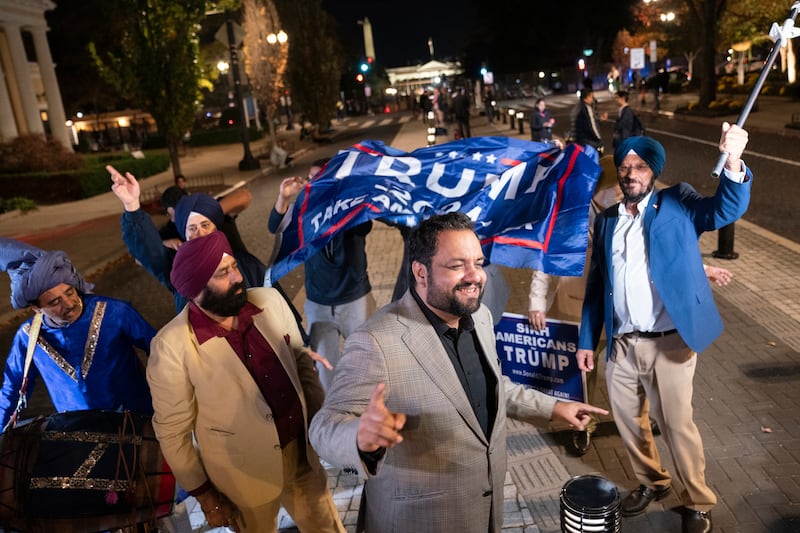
440,106
541,122
488,105
426,106
461,109
627,123
585,125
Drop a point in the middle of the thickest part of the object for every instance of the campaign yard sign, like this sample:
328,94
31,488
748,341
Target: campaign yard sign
544,360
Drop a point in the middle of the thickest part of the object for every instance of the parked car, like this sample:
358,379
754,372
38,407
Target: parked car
674,80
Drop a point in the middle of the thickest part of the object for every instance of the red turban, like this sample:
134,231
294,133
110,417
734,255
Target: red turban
196,262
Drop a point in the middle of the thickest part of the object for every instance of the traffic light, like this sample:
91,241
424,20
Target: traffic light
360,78
364,66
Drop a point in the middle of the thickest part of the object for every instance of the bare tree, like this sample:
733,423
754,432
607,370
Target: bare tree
266,57
315,62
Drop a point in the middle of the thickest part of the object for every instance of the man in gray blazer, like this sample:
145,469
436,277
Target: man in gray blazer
418,405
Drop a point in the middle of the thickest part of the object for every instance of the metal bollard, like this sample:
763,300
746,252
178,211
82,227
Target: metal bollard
520,121
511,115
431,137
505,120
725,243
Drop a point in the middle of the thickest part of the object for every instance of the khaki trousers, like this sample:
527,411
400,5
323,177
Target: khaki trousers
653,377
305,497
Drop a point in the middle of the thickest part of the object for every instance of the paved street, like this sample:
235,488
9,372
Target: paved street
746,387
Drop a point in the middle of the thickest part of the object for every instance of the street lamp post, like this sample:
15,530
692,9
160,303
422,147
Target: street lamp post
225,70
248,162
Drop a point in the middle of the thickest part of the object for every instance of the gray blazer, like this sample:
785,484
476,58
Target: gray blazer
446,475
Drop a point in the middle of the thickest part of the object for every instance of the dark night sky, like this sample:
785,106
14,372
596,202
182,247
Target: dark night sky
401,30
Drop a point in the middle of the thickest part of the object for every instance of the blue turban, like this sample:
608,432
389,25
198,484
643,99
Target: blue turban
34,271
202,203
647,148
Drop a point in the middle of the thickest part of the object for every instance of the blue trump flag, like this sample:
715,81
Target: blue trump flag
529,201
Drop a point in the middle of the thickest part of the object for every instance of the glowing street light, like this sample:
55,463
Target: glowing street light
280,37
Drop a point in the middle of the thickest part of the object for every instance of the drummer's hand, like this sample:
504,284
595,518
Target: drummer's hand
220,511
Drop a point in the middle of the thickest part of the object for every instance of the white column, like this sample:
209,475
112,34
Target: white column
8,128
55,106
22,70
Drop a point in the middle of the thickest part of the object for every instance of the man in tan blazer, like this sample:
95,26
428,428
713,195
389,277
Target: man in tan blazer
418,405
233,391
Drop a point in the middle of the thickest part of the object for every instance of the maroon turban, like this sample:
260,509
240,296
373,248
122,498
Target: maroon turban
196,262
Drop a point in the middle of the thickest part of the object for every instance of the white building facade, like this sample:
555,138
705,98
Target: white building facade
29,93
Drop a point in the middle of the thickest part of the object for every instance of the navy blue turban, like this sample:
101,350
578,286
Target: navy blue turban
647,148
202,203
34,271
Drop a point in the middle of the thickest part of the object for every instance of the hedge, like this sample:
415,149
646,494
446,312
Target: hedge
211,137
69,185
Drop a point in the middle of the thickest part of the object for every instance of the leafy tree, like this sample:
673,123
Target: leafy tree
266,61
674,35
703,16
315,59
155,64
750,21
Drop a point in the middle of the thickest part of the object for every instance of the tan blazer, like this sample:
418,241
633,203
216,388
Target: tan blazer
207,392
446,475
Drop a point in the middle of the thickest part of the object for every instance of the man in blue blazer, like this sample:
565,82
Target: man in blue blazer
646,286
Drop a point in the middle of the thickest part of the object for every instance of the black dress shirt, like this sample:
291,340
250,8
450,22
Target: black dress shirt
471,366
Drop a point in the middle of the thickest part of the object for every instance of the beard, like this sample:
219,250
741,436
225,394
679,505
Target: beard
448,301
225,304
636,198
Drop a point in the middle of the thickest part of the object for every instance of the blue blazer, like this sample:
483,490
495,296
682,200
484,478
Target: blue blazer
673,221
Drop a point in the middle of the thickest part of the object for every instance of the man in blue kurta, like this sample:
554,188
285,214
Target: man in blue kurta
85,350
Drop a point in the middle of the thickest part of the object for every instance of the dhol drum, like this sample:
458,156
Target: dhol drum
589,504
83,471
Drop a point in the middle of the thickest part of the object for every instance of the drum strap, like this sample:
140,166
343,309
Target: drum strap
33,336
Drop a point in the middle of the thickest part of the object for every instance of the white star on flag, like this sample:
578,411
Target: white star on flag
477,156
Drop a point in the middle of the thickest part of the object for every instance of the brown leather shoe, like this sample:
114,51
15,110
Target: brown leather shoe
696,521
637,501
579,443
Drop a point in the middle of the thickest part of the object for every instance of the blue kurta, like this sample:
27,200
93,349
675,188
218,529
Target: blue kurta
89,364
